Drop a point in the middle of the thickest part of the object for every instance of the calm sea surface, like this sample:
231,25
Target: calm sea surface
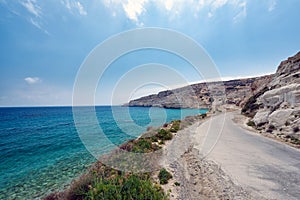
41,151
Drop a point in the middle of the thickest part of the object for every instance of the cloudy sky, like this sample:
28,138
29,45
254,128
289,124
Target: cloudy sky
44,42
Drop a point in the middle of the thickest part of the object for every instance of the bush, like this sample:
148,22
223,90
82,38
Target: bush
177,184
143,145
296,129
125,187
79,187
175,126
251,123
154,138
164,135
164,176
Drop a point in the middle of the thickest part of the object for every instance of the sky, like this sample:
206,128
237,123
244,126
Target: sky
44,42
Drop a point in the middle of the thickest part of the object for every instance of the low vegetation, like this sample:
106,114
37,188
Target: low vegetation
103,182
251,123
125,187
293,139
164,135
164,176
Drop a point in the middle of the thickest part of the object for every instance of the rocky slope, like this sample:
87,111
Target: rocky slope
205,95
276,107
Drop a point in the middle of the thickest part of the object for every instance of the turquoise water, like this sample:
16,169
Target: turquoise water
40,150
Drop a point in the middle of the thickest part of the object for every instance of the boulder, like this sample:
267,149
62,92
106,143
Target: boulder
261,117
279,117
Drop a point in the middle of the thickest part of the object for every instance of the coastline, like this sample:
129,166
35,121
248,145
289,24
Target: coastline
192,175
116,155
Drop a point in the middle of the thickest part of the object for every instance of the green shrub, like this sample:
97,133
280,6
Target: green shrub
143,145
125,187
177,184
174,129
154,138
175,126
164,176
161,142
251,123
164,135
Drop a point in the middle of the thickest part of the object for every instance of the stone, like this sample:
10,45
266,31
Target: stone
261,117
279,117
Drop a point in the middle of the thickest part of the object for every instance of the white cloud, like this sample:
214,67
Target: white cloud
38,25
135,8
242,13
218,4
35,23
32,7
272,5
67,4
169,4
32,80
75,5
80,8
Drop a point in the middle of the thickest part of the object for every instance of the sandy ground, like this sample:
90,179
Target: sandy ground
217,159
198,177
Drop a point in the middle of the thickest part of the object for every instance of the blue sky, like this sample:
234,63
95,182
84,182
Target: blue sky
43,42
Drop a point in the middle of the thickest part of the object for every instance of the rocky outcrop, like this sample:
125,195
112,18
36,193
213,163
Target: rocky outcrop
205,95
273,101
276,108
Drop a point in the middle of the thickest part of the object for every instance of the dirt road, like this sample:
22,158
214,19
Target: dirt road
260,165
217,159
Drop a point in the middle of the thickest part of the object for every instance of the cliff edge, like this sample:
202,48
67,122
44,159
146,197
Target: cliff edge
276,108
204,95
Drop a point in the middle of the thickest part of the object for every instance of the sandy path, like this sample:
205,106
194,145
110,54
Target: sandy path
198,177
242,165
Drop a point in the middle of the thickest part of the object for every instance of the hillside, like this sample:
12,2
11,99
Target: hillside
276,108
204,95
272,102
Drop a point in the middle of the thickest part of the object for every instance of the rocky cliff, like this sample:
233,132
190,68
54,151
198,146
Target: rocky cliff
204,95
276,107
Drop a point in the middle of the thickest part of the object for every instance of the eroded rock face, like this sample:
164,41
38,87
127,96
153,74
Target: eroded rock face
279,106
205,95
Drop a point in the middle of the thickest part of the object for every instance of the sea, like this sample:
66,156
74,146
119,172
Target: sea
41,148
